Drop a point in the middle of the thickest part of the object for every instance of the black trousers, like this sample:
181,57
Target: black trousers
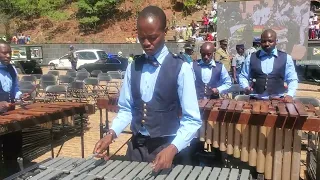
10,150
145,149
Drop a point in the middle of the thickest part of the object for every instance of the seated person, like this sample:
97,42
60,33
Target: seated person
211,77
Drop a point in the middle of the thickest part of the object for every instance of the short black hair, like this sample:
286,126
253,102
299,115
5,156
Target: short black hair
4,42
156,12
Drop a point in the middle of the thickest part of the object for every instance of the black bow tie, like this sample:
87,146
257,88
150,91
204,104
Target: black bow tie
152,61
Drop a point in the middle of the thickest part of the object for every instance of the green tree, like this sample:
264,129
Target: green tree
92,12
188,6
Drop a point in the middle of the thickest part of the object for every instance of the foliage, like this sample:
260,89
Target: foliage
93,12
189,5
5,21
57,15
30,8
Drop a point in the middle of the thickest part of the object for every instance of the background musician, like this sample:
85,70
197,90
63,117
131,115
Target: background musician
212,77
156,88
11,143
269,69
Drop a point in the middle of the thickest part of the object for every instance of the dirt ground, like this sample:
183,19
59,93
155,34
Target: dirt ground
72,147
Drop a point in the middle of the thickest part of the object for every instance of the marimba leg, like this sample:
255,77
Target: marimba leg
216,128
261,149
245,143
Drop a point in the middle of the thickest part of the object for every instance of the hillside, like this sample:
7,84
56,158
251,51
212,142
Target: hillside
116,30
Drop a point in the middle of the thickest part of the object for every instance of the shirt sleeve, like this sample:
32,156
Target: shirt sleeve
124,116
190,121
225,80
234,62
291,77
244,76
217,56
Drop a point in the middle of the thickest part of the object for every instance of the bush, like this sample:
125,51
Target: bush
92,12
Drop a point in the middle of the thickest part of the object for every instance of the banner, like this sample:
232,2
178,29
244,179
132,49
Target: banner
240,22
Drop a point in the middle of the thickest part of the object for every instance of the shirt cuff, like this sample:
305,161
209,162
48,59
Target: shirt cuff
18,94
117,130
291,93
220,89
179,143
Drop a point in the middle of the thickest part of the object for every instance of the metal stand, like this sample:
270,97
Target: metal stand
51,144
101,124
318,156
107,128
82,134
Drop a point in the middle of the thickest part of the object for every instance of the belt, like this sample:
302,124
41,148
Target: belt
151,144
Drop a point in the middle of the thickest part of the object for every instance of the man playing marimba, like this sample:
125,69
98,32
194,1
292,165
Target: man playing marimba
212,77
155,86
268,69
10,144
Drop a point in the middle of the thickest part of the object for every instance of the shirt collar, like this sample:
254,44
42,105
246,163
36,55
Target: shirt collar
161,54
273,53
211,63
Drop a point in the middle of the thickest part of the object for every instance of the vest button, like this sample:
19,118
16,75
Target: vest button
265,87
143,121
144,110
144,105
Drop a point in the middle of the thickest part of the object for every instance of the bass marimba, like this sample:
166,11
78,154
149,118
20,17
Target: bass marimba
90,169
264,134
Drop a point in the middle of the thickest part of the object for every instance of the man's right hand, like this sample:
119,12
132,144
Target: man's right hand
248,90
4,106
102,146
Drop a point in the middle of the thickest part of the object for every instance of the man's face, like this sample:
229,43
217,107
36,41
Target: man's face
188,51
150,34
5,54
224,45
268,42
206,55
240,51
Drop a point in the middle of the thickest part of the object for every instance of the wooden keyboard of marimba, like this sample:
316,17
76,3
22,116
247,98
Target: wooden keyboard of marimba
91,169
263,134
39,113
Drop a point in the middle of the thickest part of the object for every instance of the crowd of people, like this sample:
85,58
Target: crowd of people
205,30
19,38
314,24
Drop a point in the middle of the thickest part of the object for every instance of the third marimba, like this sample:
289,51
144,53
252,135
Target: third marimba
264,134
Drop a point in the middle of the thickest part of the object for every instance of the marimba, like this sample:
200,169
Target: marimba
264,134
40,113
91,169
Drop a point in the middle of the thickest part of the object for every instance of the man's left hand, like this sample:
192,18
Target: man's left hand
215,91
25,96
288,99
164,158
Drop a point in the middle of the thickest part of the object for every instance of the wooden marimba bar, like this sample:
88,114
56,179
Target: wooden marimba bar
264,134
41,113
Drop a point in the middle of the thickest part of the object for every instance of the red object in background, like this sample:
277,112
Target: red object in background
209,37
205,20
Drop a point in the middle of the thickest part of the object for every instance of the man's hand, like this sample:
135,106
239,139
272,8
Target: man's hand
288,99
235,80
248,90
25,96
164,158
4,106
102,145
215,91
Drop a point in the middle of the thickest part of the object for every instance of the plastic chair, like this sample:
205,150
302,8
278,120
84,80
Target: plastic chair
308,100
77,91
48,77
115,74
80,78
92,85
95,73
55,73
56,93
30,78
72,74
65,79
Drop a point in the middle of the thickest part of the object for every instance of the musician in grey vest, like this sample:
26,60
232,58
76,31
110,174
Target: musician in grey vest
265,72
158,98
11,143
212,77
